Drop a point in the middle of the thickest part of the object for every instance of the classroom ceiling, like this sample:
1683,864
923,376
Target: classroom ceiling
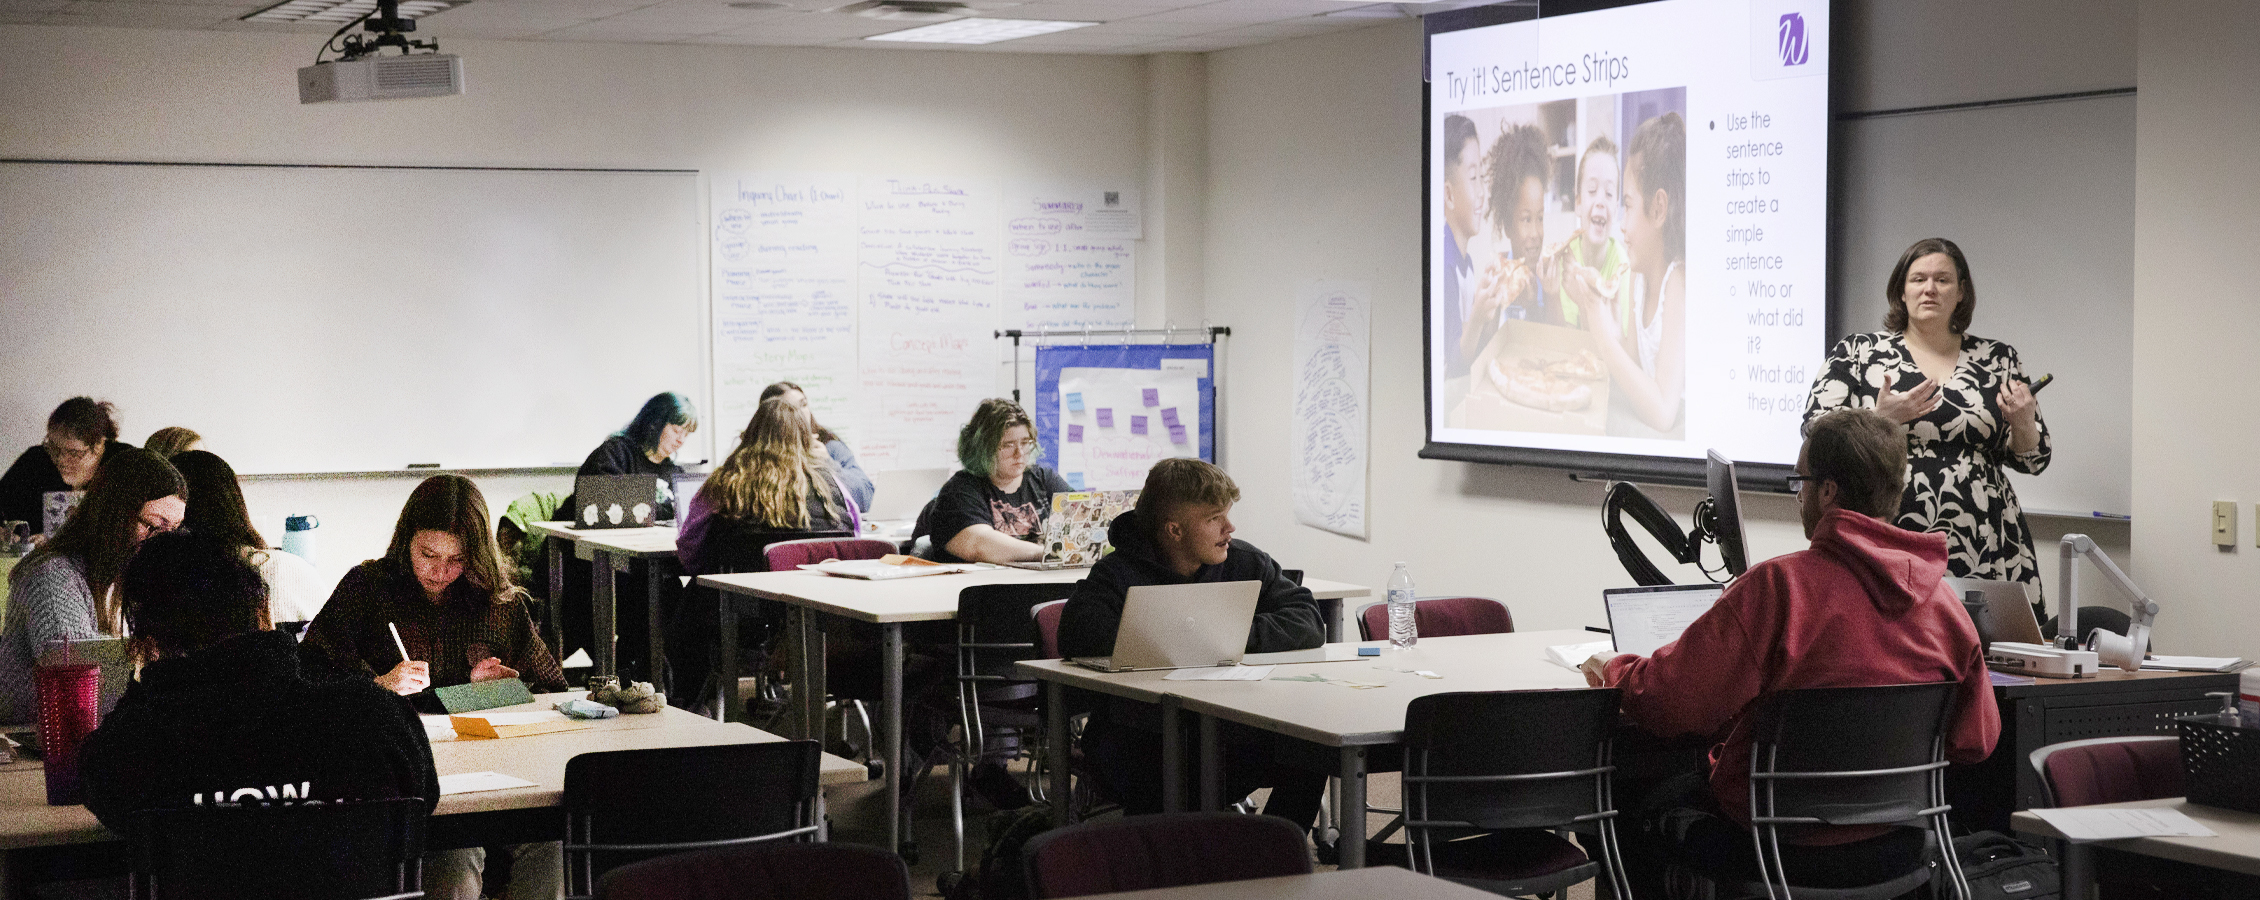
1127,26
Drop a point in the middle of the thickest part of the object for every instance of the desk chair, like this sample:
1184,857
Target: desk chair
624,806
840,659
331,851
996,627
1085,801
779,551
1440,617
1168,850
1491,777
2112,770
1848,756
764,872
1046,616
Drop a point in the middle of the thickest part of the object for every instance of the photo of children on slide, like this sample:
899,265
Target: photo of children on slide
1564,295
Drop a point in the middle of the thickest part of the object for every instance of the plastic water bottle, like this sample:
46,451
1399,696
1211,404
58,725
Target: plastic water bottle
1403,631
298,536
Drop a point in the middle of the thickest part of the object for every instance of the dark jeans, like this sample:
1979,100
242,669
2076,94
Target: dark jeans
1126,759
1680,824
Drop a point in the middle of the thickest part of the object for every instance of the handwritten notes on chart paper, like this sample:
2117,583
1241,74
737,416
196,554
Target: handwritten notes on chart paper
927,279
784,293
1069,259
1119,422
1327,454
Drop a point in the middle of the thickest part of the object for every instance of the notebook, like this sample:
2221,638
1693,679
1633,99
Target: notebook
1643,619
1180,626
617,501
1075,533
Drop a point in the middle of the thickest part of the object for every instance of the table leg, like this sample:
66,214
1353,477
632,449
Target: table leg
604,598
1351,844
656,575
890,729
1061,750
1212,766
555,548
1332,610
726,659
2079,871
1172,755
807,647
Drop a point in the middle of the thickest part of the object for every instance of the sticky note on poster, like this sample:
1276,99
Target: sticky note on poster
1075,480
1169,418
1075,402
1153,396
1074,434
1137,424
1106,417
1176,434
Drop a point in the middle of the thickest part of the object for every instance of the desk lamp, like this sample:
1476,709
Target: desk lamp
2125,652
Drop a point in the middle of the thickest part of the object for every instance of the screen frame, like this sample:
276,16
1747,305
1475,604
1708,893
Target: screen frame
1672,470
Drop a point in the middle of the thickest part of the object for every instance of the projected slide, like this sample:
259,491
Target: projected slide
1628,220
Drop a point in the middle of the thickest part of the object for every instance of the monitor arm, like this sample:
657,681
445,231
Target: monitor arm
2127,652
1684,547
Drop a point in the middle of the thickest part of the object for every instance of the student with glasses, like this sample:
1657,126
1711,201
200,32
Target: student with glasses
64,591
80,434
993,510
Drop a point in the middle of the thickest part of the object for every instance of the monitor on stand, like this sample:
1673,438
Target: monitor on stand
1725,525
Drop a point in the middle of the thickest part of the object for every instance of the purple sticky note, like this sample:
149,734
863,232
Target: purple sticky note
1176,434
1137,424
1153,396
1169,417
1074,434
1106,417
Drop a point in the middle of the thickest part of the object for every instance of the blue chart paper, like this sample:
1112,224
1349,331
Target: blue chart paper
1168,382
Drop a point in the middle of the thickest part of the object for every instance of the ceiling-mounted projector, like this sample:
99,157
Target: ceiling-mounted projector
363,72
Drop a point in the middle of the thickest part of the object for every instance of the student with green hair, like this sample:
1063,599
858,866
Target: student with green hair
993,510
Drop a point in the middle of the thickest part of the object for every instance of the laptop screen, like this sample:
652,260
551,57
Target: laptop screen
1645,618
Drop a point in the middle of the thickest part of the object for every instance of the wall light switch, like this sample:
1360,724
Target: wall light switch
2224,523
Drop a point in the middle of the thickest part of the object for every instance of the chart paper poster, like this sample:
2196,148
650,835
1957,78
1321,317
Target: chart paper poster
1328,451
927,274
1070,257
1627,231
1106,414
784,249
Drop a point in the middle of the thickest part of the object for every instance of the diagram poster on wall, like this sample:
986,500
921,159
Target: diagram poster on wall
784,294
1106,414
927,268
1327,453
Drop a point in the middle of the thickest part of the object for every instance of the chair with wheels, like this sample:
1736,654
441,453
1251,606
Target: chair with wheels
624,806
763,872
1848,756
996,627
1493,777
2118,769
1440,617
330,851
1168,850
1046,616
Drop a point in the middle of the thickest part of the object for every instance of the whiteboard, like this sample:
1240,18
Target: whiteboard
313,319
2041,199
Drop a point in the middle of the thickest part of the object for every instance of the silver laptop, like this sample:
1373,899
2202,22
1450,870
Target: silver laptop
1643,619
1181,626
2008,608
681,487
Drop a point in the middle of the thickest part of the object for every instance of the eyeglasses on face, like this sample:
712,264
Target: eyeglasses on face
1798,483
60,452
1024,445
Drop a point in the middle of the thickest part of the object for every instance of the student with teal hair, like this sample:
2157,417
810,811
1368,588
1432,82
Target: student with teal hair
993,510
647,446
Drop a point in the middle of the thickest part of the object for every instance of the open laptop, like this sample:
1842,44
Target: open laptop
2008,608
681,487
616,501
1074,535
1642,619
1181,626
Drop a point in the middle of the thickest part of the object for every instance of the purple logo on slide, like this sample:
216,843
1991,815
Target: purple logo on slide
1790,39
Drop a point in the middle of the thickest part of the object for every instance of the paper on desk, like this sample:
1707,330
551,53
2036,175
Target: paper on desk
2195,663
472,782
579,660
1220,673
516,718
1570,656
438,728
2079,825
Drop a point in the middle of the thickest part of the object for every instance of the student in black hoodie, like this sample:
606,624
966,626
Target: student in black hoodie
221,712
1181,533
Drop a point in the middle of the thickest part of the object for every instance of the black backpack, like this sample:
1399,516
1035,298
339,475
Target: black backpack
2000,867
999,875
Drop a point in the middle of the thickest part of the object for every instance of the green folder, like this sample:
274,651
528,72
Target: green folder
478,695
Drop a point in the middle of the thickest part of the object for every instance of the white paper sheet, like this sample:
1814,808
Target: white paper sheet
472,782
529,717
2081,825
784,295
1070,256
2192,663
926,285
1112,455
1220,673
1327,454
1570,656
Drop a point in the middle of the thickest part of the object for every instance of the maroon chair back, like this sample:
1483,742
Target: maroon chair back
785,555
764,872
1169,850
2111,770
1047,626
1441,617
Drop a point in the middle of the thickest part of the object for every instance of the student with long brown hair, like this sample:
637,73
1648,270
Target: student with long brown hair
294,589
859,485
64,591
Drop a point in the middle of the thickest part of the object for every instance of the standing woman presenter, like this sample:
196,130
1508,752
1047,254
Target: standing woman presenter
1967,405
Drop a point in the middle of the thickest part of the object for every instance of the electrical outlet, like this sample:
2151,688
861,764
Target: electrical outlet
2224,523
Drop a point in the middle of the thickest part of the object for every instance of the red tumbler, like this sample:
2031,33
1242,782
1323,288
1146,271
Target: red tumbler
69,698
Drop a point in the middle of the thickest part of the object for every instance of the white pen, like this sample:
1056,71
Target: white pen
396,642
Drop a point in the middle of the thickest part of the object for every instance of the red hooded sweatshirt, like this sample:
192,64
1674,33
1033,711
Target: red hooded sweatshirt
1866,605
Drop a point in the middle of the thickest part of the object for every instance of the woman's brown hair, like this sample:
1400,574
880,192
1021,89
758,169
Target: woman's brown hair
218,510
767,479
1895,290
451,504
102,532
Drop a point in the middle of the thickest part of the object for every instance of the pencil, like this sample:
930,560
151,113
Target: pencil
396,642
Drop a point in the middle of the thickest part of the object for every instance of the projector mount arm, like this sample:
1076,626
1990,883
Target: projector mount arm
386,29
2126,653
1684,546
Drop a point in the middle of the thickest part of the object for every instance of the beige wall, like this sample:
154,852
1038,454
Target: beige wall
2196,326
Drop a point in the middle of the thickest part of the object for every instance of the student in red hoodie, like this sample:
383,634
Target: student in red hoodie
1866,605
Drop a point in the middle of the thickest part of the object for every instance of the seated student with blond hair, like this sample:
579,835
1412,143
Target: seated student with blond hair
1180,532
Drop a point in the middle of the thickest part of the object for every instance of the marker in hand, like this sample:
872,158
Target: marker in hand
397,642
409,676
2043,382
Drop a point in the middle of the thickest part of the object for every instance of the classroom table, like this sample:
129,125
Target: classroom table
517,815
611,551
1345,884
1350,721
813,597
2236,847
2043,711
